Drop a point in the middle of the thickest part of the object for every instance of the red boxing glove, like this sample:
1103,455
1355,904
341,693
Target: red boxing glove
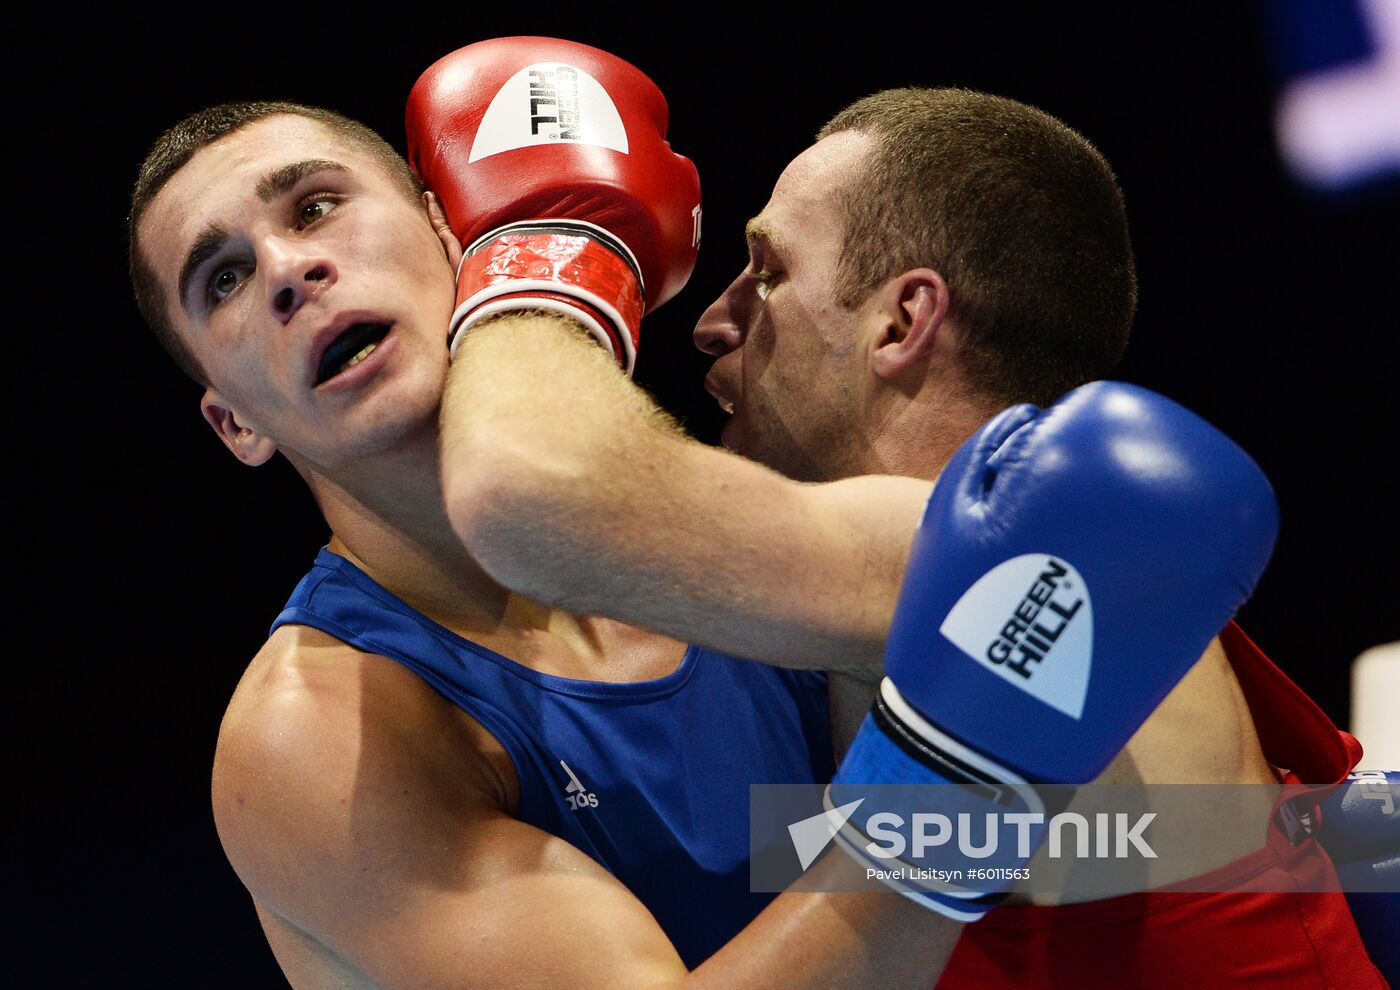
551,162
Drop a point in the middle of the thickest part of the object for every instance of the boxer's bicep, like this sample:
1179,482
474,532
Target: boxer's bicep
875,517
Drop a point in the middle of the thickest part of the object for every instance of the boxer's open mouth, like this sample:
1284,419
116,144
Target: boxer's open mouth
349,349
726,404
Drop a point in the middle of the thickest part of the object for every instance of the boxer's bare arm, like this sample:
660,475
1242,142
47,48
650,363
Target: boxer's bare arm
570,486
376,847
573,488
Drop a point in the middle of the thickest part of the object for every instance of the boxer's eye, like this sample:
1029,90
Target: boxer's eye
316,208
763,282
222,283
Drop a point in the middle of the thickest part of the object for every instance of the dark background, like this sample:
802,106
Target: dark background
151,564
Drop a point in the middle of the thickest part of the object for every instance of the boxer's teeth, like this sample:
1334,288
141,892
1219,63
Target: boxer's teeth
338,356
727,407
359,357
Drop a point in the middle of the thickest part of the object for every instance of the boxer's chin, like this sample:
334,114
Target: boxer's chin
729,435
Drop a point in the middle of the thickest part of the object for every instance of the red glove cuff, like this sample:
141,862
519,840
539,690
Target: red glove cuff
566,266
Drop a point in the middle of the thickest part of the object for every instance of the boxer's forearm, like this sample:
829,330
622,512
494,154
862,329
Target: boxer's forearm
571,487
834,941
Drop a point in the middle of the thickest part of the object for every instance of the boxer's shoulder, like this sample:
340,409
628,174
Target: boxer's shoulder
320,738
371,828
303,679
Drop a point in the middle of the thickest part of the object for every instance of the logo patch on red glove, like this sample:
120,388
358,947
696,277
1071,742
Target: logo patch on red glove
546,103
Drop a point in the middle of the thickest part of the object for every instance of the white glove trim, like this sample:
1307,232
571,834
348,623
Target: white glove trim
992,771
478,306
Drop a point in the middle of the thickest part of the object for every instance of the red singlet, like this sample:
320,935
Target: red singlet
1166,939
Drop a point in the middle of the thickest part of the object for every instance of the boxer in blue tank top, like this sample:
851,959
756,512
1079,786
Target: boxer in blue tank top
639,775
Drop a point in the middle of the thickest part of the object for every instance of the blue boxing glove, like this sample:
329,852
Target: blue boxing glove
1072,564
1360,830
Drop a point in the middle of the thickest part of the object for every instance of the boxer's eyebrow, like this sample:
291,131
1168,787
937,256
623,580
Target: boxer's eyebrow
281,180
761,230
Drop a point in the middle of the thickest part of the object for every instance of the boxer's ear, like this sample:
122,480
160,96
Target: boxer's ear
438,218
247,444
913,312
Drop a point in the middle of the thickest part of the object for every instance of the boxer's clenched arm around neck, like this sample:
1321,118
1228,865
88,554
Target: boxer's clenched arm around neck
570,486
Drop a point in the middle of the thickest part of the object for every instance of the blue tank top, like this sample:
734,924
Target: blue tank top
649,778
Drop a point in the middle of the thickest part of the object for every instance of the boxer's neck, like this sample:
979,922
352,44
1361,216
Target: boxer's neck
914,437
390,521
388,517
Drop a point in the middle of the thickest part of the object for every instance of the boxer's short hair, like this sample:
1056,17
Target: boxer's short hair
173,150
1020,214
